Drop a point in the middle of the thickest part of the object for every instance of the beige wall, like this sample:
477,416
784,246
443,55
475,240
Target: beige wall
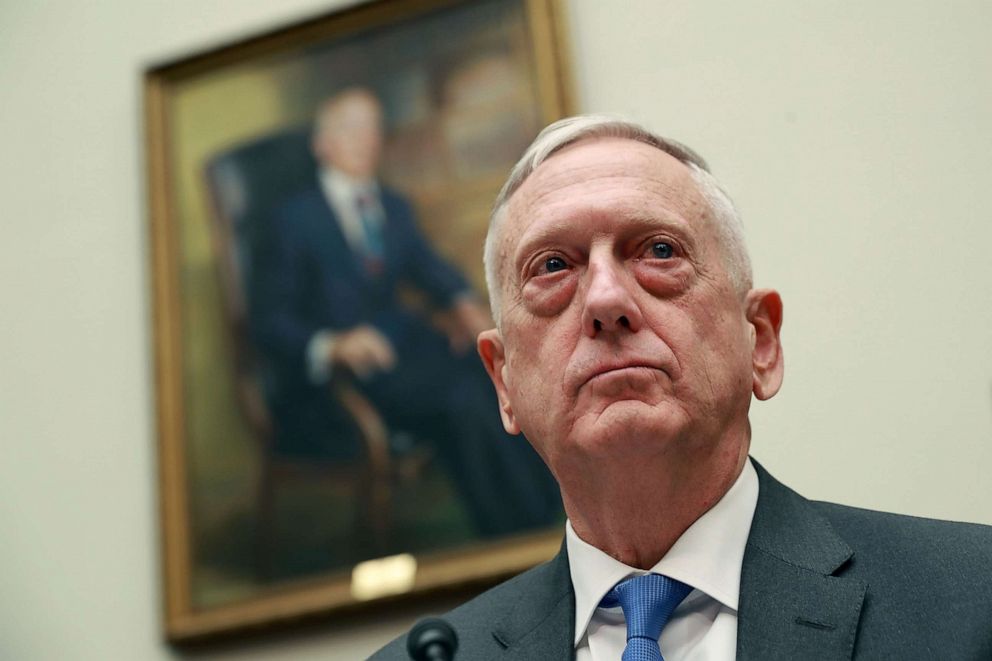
856,137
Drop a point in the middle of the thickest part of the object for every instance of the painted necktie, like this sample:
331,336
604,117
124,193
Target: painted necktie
371,217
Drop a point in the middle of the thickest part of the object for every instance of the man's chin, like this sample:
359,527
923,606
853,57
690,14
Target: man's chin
627,423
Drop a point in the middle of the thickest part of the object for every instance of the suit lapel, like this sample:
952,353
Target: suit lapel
540,625
792,603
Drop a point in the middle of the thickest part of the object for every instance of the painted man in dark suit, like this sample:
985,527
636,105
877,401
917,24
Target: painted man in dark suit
629,343
326,299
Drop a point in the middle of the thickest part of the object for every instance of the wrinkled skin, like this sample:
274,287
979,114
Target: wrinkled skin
625,353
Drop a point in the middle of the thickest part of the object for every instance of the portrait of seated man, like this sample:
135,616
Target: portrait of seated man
326,298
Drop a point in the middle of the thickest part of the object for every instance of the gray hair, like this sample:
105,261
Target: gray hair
565,132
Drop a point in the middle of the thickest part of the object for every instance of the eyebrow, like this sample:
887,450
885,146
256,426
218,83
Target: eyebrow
634,223
546,234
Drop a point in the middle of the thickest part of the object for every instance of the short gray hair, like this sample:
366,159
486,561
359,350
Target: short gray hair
571,130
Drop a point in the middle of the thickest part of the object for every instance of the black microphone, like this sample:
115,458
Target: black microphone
432,639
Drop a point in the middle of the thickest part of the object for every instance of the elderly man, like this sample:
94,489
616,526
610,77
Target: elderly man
326,299
628,344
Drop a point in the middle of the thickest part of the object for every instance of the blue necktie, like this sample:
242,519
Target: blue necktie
371,216
648,602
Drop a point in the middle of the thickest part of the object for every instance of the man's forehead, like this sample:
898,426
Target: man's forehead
351,107
610,165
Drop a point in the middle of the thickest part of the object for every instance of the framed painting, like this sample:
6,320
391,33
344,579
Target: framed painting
319,196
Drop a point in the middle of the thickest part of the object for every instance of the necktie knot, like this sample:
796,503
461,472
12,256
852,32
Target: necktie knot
648,603
365,200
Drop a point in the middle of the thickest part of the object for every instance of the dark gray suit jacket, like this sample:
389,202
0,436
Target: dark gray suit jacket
819,581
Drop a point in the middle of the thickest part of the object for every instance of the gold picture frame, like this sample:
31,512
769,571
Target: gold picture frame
458,110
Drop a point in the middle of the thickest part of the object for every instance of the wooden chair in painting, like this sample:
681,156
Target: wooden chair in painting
243,183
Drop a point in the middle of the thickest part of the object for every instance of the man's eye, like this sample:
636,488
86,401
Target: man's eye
553,264
662,250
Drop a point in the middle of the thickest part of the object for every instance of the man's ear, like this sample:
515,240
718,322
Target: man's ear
490,345
763,308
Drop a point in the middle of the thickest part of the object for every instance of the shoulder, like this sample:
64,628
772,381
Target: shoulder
477,622
302,218
917,588
928,581
396,204
535,585
861,538
392,196
935,550
300,204
882,524
892,553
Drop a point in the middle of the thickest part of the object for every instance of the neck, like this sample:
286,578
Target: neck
637,521
346,178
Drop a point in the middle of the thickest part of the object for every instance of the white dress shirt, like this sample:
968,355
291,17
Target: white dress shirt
708,557
341,193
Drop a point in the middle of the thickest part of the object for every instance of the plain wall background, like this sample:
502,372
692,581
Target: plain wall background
855,137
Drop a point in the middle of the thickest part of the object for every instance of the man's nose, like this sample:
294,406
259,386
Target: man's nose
609,302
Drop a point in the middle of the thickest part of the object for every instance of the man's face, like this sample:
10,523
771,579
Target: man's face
621,334
350,136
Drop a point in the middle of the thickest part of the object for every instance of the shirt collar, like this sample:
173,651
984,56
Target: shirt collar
708,556
340,186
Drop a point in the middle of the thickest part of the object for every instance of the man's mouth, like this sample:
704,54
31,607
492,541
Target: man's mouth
620,369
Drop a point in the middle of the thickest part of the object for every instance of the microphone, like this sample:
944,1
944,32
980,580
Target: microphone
432,639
